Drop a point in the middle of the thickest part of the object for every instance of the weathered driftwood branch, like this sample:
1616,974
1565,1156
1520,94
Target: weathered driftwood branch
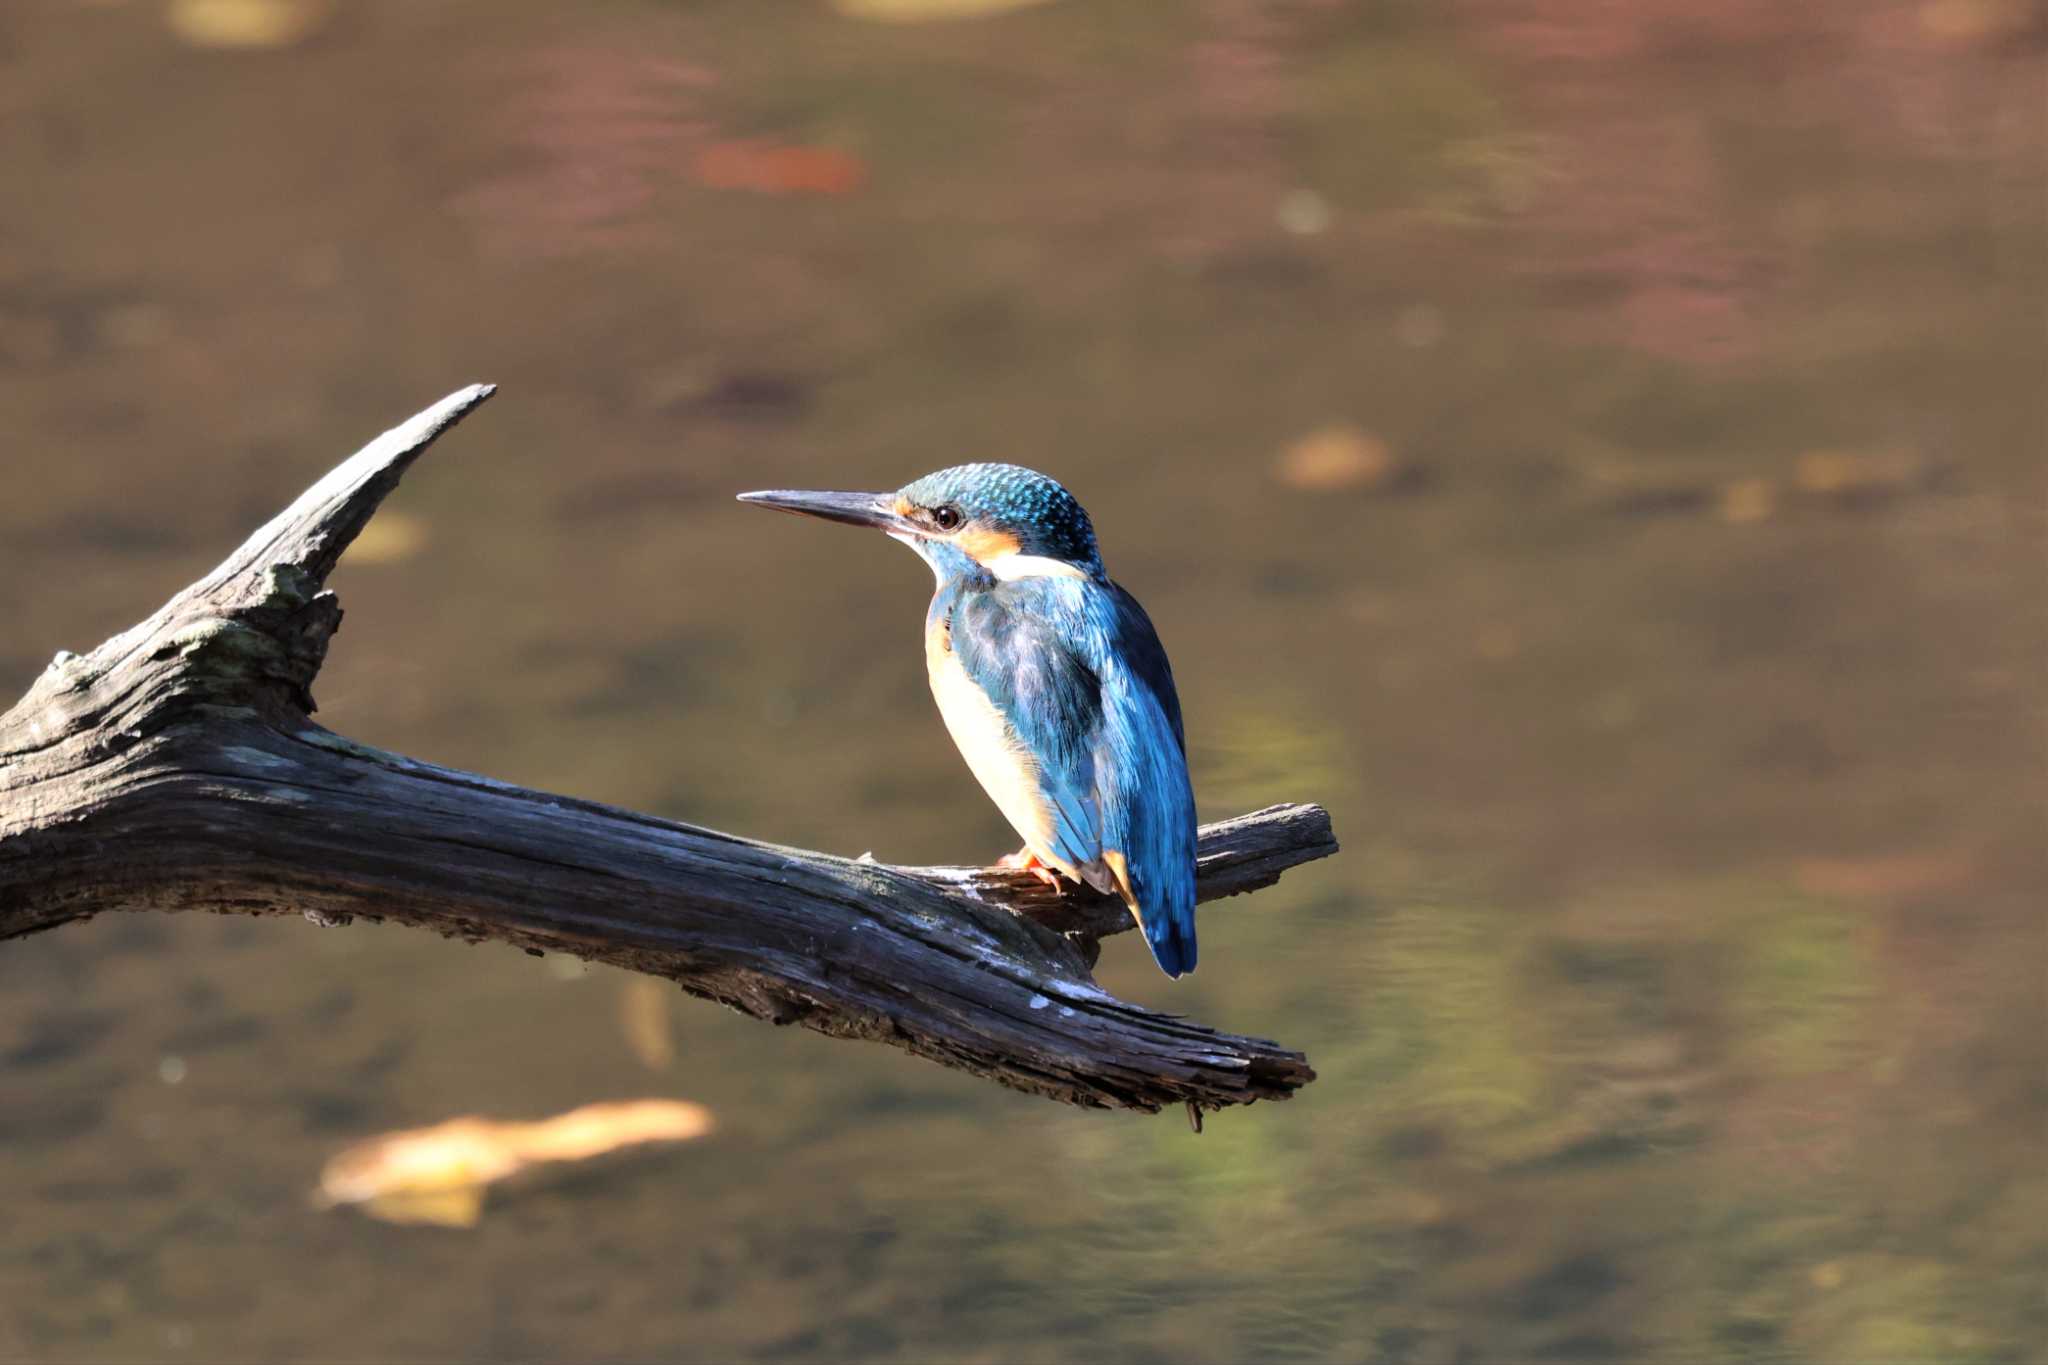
175,768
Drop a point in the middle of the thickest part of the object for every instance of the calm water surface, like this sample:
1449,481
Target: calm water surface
1595,450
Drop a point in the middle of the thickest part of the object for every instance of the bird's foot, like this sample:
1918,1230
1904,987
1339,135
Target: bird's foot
1024,860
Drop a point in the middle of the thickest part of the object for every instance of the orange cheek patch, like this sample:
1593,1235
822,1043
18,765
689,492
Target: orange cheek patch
902,506
985,544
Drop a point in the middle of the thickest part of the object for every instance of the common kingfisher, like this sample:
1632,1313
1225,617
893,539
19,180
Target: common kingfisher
1052,683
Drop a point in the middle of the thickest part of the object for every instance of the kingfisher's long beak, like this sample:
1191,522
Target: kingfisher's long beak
877,510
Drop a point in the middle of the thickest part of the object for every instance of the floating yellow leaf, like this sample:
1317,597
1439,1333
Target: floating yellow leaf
926,11
437,1175
246,23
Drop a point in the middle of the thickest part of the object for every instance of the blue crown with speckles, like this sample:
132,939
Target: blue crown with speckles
1035,508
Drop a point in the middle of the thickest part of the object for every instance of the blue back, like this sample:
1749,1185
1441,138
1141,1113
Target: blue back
1074,665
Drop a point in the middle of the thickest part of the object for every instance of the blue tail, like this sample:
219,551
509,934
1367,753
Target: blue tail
1170,934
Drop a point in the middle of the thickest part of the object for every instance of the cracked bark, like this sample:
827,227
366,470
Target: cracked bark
176,767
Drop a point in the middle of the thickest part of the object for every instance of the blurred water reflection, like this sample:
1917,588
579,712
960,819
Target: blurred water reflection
1596,450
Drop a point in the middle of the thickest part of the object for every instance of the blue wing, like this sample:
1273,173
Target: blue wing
1138,645
1148,807
1076,669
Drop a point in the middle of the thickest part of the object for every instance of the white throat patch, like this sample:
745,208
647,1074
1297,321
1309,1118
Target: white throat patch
1012,566
918,543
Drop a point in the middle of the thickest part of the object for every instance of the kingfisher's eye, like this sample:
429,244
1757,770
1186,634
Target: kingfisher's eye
946,518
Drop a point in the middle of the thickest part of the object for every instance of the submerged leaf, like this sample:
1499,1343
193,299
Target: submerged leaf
437,1175
644,1019
1342,457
